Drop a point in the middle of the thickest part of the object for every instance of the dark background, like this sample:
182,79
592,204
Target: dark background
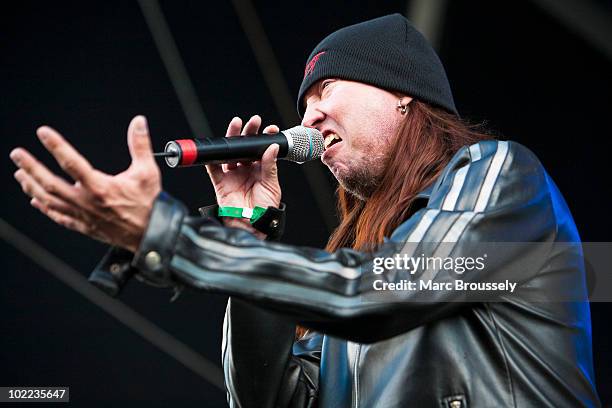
86,68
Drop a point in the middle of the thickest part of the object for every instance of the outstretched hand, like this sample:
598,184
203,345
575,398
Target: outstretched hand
111,208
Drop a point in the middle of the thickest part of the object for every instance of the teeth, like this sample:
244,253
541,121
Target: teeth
329,138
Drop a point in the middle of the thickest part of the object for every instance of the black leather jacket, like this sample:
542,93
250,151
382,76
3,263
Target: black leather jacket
429,349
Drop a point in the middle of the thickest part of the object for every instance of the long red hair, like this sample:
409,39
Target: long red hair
426,141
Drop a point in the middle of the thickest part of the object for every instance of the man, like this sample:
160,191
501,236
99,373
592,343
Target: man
415,183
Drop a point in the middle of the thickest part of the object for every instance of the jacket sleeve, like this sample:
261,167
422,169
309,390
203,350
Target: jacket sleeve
262,365
493,191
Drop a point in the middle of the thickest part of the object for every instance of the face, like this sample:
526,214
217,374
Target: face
358,122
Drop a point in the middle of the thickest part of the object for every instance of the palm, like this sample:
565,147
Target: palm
247,184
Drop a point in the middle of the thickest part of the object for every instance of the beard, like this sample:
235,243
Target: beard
365,178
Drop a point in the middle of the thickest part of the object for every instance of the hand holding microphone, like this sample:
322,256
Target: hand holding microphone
253,181
298,144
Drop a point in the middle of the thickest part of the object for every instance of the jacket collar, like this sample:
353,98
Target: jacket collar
426,193
421,200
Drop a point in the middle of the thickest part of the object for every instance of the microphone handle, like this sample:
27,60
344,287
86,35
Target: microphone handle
193,152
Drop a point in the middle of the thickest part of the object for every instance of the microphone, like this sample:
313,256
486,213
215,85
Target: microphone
298,144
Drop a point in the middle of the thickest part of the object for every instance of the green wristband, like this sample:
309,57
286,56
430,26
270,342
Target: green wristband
252,214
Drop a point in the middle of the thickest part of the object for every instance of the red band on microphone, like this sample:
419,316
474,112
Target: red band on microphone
189,151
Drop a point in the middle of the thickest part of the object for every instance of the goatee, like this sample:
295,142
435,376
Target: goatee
361,184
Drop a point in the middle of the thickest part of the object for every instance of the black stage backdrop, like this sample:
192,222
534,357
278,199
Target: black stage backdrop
86,68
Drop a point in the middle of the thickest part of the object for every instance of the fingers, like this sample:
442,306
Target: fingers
215,172
68,157
54,207
271,154
34,171
61,218
252,126
233,129
139,142
271,129
42,197
268,162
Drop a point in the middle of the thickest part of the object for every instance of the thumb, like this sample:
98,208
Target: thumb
139,141
268,161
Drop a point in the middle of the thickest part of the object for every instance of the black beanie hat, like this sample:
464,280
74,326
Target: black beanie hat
387,52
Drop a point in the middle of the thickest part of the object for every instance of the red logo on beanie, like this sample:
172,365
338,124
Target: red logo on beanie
311,64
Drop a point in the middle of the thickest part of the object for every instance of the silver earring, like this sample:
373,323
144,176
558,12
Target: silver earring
402,108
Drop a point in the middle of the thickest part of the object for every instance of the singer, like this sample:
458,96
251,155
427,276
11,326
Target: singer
306,327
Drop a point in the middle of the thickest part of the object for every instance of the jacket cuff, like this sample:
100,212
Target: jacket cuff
113,271
157,246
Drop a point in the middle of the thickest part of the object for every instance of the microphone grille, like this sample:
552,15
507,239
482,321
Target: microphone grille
304,144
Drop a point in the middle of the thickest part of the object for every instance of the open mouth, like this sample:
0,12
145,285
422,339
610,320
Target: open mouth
331,139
